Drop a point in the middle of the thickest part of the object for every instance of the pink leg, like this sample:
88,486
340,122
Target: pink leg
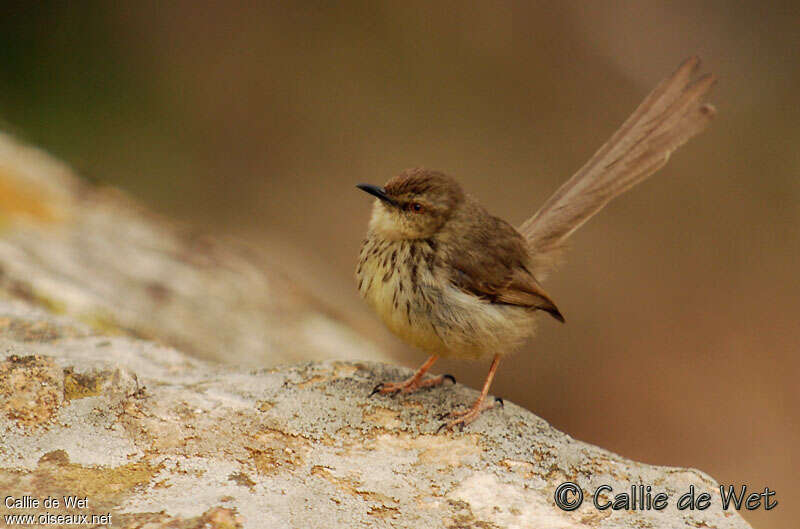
414,383
463,418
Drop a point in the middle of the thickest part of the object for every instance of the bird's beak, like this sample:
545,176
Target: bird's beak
378,192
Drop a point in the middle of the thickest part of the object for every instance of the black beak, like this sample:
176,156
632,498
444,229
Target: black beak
378,192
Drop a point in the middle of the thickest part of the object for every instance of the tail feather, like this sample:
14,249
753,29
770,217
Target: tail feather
667,118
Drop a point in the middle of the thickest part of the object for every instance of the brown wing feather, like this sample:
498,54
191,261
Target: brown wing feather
667,118
500,271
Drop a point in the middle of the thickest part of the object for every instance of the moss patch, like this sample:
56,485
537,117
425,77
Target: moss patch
29,331
56,476
15,202
272,451
100,484
31,389
80,385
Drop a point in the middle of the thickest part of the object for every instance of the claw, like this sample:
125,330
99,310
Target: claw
439,429
500,401
451,377
375,390
445,415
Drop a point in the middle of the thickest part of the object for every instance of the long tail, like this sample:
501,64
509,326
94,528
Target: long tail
667,118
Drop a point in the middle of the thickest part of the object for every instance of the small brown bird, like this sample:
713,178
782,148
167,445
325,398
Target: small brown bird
451,279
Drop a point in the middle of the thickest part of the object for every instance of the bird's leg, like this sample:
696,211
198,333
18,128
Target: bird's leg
414,383
463,418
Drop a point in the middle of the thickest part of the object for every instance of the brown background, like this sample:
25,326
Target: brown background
681,299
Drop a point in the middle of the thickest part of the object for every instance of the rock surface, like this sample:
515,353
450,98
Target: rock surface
89,252
153,438
100,302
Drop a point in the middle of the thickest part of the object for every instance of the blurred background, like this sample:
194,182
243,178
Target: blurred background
681,298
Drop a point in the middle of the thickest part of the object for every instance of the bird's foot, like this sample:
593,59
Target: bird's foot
411,385
463,418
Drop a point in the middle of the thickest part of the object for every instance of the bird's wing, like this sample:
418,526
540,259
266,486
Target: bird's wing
499,272
672,113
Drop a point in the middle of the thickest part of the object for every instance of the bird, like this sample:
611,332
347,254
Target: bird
455,281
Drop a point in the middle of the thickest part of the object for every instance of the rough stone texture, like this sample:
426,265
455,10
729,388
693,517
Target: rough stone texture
96,403
91,253
154,437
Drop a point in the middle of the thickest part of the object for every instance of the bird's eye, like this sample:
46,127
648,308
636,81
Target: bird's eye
416,207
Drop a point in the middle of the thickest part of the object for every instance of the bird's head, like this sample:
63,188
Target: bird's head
415,204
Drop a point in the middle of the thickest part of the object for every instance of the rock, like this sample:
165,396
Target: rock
153,438
105,407
93,254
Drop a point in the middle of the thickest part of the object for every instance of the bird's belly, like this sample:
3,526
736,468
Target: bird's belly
435,316
472,327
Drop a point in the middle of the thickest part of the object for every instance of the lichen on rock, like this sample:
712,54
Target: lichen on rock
104,311
152,436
